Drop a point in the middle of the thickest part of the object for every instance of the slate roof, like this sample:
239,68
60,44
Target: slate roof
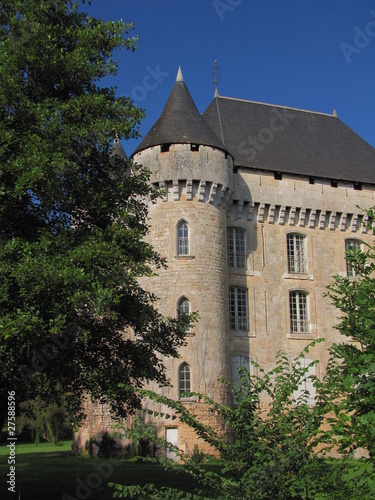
117,149
180,122
290,140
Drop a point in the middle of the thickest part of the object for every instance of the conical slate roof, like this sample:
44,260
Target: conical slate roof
117,149
180,122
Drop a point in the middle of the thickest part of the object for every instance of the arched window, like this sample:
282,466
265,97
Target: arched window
236,241
296,248
299,321
183,244
238,309
183,306
184,381
352,245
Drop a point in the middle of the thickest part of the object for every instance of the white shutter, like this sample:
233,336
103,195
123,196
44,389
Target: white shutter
307,384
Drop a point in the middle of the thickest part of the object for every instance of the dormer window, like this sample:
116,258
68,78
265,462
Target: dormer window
194,147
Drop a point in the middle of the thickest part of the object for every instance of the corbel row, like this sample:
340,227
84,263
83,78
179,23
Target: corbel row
298,216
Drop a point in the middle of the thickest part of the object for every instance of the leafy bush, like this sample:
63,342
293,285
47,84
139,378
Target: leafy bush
350,375
266,452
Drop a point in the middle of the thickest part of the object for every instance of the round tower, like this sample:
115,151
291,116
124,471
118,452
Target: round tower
188,227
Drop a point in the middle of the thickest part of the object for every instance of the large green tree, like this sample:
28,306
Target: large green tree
72,218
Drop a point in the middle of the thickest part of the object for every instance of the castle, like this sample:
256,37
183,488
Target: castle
260,206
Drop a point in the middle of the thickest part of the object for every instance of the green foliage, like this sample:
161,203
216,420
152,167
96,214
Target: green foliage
197,457
351,371
72,218
266,452
150,492
46,421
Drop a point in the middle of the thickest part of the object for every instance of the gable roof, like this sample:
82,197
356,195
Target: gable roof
288,140
180,122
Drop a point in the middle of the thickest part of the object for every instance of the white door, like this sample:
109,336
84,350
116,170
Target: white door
171,436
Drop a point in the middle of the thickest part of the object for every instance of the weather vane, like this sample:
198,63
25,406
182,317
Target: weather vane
216,75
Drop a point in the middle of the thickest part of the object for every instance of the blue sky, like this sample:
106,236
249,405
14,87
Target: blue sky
316,55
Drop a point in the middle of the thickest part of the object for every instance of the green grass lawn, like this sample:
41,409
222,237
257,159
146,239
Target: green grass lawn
45,472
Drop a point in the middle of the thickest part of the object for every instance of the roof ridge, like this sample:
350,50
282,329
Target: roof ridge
276,106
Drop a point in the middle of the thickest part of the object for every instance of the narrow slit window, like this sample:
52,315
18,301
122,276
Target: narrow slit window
184,380
183,243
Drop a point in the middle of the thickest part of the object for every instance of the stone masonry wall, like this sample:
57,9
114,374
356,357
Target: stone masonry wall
200,188
268,209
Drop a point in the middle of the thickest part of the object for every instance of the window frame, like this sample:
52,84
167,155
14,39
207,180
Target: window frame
296,247
179,312
184,383
306,384
299,320
236,249
238,322
350,271
182,301
249,365
183,240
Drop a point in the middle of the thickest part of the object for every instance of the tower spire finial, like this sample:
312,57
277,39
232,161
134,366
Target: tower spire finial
179,78
216,75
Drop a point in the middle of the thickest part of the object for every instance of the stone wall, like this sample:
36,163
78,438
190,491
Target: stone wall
199,188
268,209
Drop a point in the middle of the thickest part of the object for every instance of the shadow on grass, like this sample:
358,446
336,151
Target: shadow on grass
50,473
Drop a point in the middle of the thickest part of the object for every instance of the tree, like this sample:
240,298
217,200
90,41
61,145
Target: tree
44,422
74,318
274,452
351,371
266,452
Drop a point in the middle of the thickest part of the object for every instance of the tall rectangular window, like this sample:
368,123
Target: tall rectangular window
238,309
237,362
306,391
299,321
351,245
183,238
236,248
296,253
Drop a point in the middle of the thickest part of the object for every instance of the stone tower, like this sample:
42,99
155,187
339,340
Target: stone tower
260,204
188,227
